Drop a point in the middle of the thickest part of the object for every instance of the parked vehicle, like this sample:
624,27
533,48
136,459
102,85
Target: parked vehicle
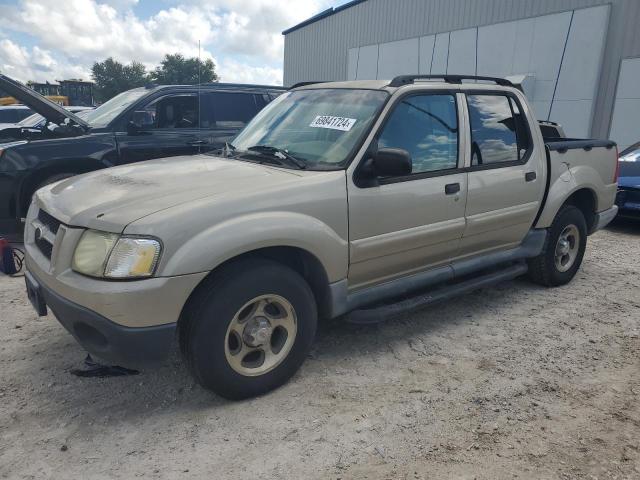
35,123
140,124
13,114
628,198
338,198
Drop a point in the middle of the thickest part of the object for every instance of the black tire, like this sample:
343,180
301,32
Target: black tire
543,269
203,327
53,178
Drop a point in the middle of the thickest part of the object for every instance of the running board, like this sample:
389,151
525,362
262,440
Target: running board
385,312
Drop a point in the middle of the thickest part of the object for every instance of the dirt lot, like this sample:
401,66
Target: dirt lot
513,381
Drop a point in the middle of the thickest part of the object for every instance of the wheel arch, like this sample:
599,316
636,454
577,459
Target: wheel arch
33,179
584,199
298,259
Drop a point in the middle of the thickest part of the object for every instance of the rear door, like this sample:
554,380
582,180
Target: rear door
165,126
506,177
224,114
415,222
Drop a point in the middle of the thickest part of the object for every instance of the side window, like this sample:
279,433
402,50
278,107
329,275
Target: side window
227,109
493,130
180,111
426,126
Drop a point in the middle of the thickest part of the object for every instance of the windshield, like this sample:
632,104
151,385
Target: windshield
101,116
631,154
31,120
319,127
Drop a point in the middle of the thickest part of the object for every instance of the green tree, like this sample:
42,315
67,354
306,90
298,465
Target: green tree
177,70
112,77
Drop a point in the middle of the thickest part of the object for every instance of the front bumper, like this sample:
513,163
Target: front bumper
100,336
628,202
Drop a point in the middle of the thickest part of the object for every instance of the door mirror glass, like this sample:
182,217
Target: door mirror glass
391,162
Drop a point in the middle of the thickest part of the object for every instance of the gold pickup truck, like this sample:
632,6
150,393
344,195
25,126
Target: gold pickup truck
359,199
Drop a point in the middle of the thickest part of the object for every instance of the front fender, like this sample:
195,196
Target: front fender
233,237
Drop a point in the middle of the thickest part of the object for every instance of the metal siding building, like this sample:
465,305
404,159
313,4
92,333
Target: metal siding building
582,57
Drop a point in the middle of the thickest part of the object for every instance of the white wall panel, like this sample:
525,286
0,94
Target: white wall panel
549,37
440,53
522,48
583,54
352,63
573,115
577,82
629,81
397,58
495,49
426,53
367,63
625,125
462,52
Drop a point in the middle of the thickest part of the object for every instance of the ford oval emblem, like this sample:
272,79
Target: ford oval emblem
38,233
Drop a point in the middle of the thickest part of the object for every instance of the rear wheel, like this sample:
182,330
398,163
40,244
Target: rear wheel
563,251
249,328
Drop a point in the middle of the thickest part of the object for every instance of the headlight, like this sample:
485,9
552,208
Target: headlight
102,254
133,257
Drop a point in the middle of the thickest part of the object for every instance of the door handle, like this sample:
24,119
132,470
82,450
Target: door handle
451,188
529,176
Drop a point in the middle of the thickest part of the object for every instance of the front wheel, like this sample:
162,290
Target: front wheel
249,328
563,251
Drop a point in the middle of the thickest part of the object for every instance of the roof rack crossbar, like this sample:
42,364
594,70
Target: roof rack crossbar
408,79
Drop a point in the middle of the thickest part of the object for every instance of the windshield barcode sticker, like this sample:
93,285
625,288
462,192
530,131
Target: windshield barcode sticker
334,123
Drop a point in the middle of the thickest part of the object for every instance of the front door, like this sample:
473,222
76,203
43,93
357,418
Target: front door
414,222
165,127
506,180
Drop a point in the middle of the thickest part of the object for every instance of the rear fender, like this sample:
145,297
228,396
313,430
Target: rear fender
571,180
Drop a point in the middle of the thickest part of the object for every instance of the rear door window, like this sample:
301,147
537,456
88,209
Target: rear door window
168,112
493,130
228,109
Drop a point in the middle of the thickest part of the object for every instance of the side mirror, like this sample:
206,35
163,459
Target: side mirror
391,162
133,128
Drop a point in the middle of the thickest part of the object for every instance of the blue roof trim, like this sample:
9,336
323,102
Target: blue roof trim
324,14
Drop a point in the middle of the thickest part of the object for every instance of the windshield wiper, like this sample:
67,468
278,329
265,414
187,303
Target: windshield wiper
280,154
228,149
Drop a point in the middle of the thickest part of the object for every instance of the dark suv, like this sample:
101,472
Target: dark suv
139,124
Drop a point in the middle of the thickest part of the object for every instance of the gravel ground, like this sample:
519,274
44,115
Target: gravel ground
512,381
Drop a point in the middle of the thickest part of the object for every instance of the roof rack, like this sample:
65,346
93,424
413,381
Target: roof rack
409,79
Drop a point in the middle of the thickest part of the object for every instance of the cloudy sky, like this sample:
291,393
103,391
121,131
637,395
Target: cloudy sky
53,39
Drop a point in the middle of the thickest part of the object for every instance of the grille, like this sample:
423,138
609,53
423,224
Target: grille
51,223
45,247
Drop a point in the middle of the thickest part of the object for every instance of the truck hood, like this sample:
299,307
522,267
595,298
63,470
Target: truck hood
112,198
45,107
